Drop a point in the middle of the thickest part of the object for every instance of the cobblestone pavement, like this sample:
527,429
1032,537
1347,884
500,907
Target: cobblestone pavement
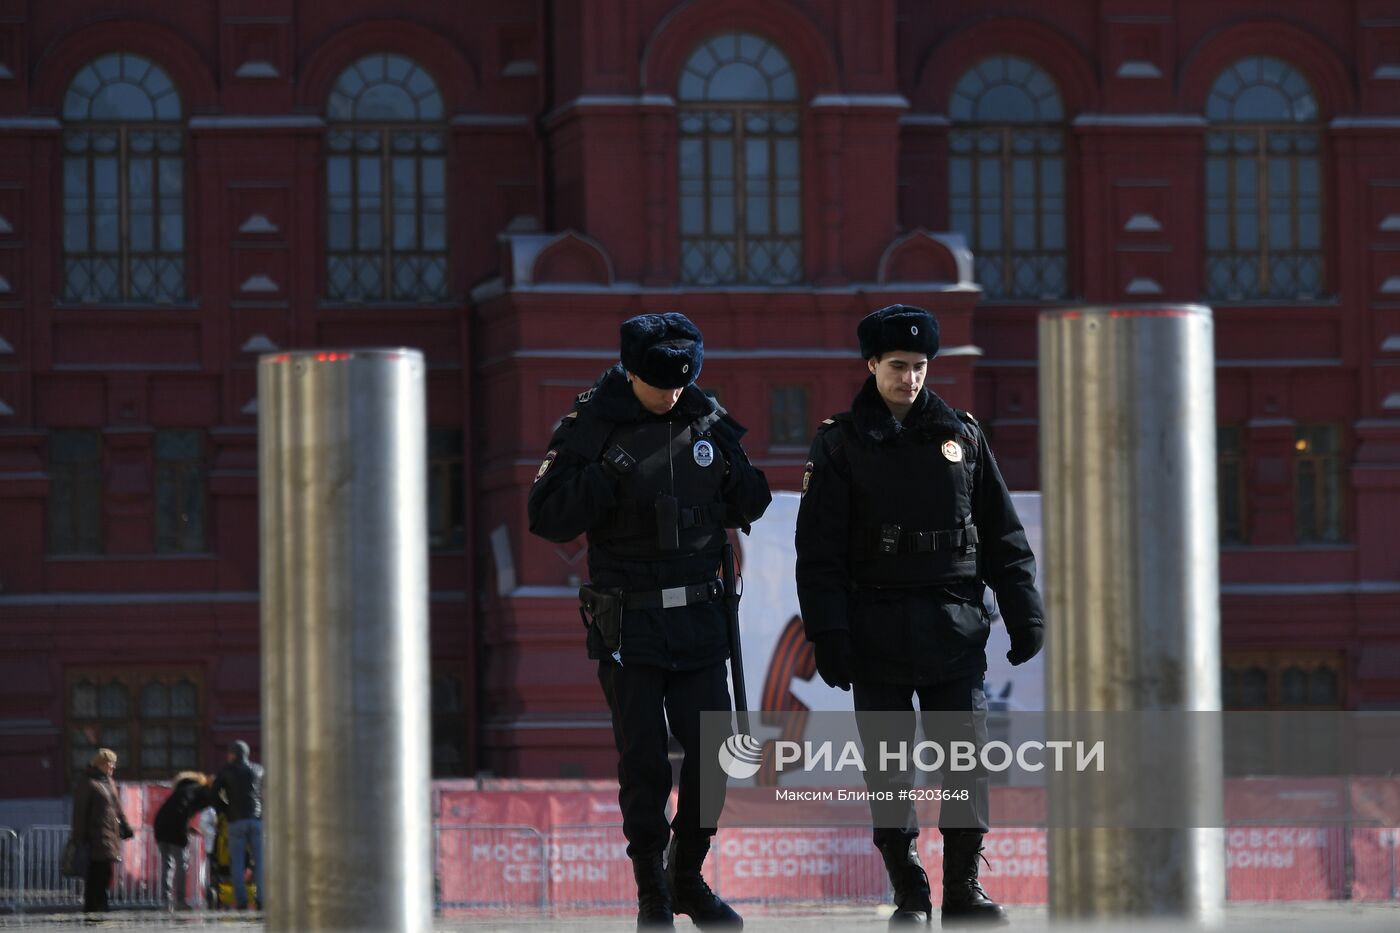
1258,918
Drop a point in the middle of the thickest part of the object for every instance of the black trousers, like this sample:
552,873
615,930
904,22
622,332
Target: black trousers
955,711
99,878
643,700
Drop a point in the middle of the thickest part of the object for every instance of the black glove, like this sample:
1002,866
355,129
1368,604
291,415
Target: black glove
834,650
1026,642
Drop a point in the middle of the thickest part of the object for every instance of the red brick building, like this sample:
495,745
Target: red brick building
183,186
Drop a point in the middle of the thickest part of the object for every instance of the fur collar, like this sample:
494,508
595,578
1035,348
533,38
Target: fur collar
929,414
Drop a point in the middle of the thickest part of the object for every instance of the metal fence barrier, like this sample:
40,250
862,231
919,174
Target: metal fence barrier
796,865
521,871
10,854
137,877
589,871
41,883
135,880
493,868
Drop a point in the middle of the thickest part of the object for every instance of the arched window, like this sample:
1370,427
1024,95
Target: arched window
1263,184
386,184
123,184
151,719
1006,178
740,164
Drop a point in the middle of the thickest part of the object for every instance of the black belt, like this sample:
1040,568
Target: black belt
922,542
918,542
674,596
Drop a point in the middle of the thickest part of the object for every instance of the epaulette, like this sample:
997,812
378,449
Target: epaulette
828,431
967,416
584,397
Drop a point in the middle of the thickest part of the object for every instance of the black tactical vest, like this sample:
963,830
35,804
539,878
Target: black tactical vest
911,506
670,501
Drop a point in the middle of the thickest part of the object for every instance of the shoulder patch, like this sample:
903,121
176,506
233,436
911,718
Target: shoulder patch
829,421
544,466
584,397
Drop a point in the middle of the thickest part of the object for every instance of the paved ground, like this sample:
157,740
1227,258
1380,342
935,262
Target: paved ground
1256,918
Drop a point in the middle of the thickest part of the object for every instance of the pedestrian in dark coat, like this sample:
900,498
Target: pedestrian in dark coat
652,470
905,520
100,824
190,794
238,793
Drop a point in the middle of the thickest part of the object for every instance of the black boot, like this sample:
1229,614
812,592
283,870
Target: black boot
653,896
964,901
909,880
689,892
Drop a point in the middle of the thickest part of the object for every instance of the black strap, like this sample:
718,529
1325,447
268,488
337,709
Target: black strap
673,597
697,516
922,542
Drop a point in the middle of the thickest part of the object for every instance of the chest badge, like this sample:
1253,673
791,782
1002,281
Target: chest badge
703,452
952,452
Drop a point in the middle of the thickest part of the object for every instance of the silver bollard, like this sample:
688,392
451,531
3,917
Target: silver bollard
342,479
1132,587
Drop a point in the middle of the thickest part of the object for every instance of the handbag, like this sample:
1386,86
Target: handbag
74,863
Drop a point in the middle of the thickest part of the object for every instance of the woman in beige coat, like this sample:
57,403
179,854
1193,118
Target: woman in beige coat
100,824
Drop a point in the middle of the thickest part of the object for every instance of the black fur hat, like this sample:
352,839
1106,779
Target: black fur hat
898,327
662,350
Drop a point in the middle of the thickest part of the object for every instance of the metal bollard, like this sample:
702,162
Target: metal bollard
342,477
1131,563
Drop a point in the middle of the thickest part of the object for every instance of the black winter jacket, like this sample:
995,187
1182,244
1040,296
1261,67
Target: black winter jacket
574,493
240,782
172,822
924,623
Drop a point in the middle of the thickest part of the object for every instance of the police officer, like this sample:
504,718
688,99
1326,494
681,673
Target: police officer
651,469
904,519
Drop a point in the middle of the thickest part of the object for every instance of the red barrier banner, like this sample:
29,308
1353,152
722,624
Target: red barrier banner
589,868
525,844
796,863
487,866
519,848
1285,863
541,809
1375,857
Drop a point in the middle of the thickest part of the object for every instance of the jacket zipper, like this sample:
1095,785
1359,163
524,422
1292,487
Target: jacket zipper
671,464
